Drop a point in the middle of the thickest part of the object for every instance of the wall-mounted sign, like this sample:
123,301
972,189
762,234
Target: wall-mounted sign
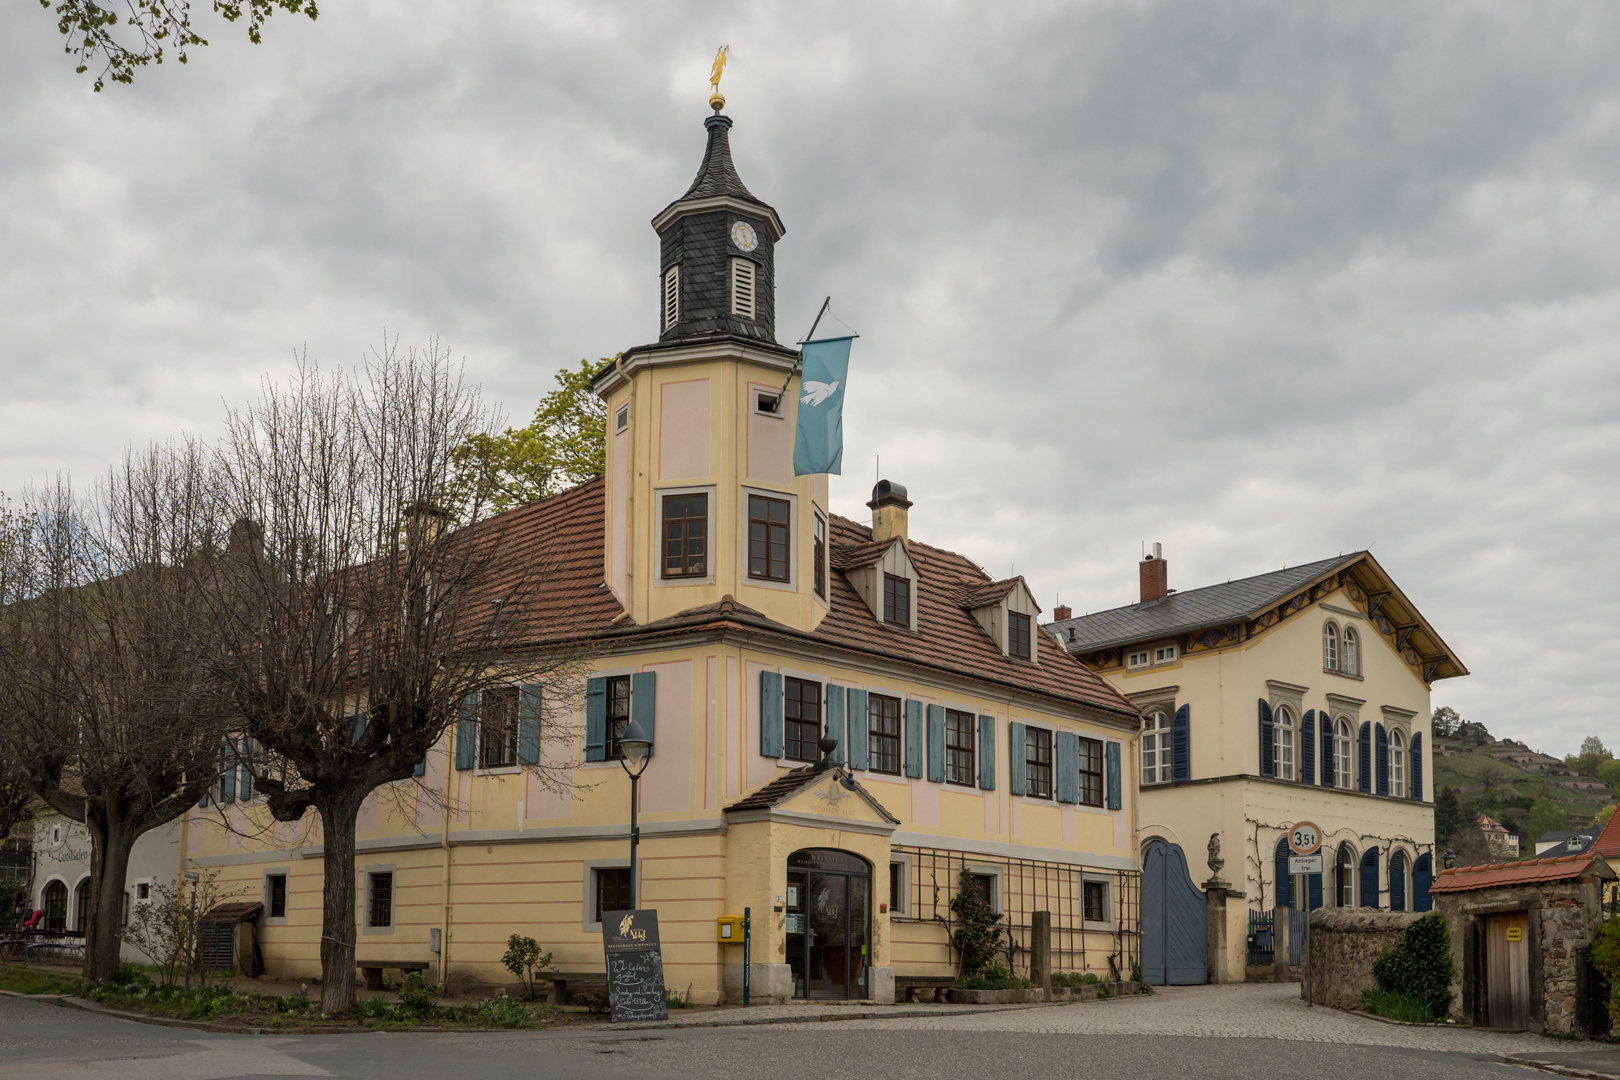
1515,933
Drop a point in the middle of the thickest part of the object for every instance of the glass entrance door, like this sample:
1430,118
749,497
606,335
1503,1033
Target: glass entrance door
828,915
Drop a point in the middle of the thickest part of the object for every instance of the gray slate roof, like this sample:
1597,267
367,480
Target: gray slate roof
1181,612
717,175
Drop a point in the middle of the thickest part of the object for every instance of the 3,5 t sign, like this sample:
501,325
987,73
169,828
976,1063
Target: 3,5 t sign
1305,838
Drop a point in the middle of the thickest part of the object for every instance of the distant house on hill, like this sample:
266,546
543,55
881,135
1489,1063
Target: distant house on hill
1501,841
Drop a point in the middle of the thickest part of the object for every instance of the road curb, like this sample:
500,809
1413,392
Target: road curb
1561,1070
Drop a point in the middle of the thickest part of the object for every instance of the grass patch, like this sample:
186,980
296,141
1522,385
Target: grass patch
1408,1007
27,980
1074,978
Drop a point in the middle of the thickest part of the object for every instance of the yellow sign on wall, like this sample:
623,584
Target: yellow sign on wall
1515,933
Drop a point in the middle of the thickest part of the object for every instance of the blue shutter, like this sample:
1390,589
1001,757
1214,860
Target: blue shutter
1382,738
595,725
1115,798
1016,759
1397,881
835,719
644,706
1267,733
359,728
987,753
528,747
1364,744
1285,881
913,749
770,714
1327,750
1422,878
1181,745
1066,765
245,792
227,778
936,744
1369,879
1307,747
856,719
1417,771
1313,890
467,727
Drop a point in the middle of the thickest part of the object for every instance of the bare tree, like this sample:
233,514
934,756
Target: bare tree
106,659
359,616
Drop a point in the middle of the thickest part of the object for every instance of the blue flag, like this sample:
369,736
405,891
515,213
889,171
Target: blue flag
818,439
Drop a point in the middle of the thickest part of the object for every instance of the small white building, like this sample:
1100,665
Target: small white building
61,873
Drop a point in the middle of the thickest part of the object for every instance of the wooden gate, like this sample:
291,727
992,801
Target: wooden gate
1175,926
1507,971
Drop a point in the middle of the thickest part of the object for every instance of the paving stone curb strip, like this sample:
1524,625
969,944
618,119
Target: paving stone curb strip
1561,1070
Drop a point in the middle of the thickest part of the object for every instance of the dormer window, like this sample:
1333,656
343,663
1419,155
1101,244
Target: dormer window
1150,657
1018,642
672,297
896,600
742,288
1139,659
1164,654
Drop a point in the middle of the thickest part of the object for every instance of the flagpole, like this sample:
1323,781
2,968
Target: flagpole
795,369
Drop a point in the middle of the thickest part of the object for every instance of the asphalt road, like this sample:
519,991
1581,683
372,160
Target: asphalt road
40,1040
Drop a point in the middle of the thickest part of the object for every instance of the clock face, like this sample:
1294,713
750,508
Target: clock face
743,235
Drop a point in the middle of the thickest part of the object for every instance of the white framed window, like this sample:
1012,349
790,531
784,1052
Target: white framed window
899,885
275,896
621,419
1282,744
607,888
1164,654
1139,659
1341,754
1157,755
1344,877
1397,763
987,880
1330,646
672,296
377,900
1349,654
742,287
768,403
1096,902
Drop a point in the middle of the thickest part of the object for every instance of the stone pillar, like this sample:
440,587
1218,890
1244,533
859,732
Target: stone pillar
1040,951
1215,929
1279,945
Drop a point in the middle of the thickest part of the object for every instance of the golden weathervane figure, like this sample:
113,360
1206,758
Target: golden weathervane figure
717,100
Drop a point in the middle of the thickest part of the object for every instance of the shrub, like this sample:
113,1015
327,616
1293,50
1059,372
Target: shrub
1605,956
595,1002
994,977
298,1005
523,958
1406,1007
416,997
1419,965
501,1012
374,1009
978,936
674,999
1075,978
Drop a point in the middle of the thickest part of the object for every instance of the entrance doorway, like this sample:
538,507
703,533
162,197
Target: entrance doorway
829,915
1507,971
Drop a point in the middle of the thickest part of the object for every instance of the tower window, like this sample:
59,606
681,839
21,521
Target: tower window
686,522
672,296
767,538
621,419
819,554
742,288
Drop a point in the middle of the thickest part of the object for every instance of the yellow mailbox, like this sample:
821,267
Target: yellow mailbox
729,929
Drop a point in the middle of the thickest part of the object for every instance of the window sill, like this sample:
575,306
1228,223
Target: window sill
500,770
1343,674
885,778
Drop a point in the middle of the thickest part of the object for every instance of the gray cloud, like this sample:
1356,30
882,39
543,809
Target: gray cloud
1260,281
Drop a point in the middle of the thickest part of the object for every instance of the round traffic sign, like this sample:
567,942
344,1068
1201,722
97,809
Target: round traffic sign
1305,838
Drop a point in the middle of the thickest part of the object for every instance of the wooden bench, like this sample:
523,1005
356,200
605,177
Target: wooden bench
559,980
373,969
933,987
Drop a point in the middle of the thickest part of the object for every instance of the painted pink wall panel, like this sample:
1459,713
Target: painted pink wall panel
538,801
924,803
760,769
1122,830
366,820
770,442
733,726
430,791
711,742
619,527
667,784
238,822
683,432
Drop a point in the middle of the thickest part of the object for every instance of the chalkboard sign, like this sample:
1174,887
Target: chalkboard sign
635,966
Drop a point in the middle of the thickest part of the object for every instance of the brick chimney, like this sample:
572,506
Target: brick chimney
1155,576
889,505
1062,613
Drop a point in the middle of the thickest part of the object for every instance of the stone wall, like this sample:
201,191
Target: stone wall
1345,942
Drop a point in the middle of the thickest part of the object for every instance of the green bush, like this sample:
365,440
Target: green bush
994,977
502,1012
1419,965
1075,978
298,1005
416,997
1605,956
595,1001
977,936
1406,1007
524,959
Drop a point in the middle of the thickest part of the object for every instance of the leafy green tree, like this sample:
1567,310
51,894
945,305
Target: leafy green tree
91,29
1609,773
1601,818
1593,746
1445,721
524,959
563,445
1448,816
1547,815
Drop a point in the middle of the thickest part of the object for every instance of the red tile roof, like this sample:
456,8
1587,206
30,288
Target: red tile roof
1525,872
857,556
1607,843
977,596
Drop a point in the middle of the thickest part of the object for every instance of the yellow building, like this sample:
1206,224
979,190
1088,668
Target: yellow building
1300,695
739,622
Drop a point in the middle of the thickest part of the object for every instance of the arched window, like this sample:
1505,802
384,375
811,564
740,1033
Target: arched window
1349,655
1157,755
1397,881
1344,877
1369,879
1283,744
1397,765
55,905
1330,646
1341,754
81,905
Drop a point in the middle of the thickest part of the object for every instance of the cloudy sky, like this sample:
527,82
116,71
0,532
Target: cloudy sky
1261,282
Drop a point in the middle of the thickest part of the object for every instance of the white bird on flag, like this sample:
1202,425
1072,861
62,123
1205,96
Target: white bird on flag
817,392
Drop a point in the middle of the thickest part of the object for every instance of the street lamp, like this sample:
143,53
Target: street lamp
1449,859
636,746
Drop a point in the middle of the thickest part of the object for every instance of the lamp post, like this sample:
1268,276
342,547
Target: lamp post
636,745
1449,859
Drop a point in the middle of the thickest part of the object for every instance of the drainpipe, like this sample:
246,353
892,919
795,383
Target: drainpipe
450,778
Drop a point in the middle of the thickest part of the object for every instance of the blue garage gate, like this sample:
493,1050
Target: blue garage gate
1174,927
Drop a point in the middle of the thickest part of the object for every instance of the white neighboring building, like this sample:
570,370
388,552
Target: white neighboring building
61,885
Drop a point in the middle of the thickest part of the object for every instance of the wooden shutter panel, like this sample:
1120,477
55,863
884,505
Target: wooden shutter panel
1016,757
835,719
595,725
245,792
644,706
227,778
1285,880
1381,738
1416,768
1422,879
1364,744
359,728
1307,748
912,751
1397,881
936,743
1313,891
1327,750
528,748
1066,766
1115,796
856,719
987,753
770,714
1181,745
1369,879
1268,765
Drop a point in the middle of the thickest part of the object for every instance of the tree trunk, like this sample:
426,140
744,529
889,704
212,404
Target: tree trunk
111,841
338,902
